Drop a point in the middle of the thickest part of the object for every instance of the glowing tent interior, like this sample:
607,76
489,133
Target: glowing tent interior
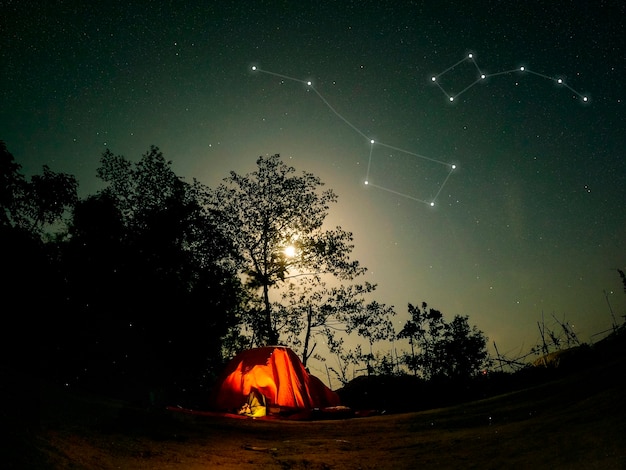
278,375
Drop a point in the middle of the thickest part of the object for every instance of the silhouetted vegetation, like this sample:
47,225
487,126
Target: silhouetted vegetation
129,290
146,287
32,288
623,277
151,287
406,392
275,218
443,350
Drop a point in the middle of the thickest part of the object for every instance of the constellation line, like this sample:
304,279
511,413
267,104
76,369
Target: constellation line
482,76
397,193
373,142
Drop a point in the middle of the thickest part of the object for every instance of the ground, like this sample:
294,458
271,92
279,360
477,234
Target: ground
575,422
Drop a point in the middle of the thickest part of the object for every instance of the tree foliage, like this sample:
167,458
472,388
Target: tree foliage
443,350
12,184
312,309
33,205
31,213
264,213
373,323
623,277
150,282
143,282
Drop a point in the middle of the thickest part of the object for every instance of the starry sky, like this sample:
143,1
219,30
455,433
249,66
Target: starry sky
530,225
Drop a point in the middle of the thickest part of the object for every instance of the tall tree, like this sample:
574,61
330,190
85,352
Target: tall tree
275,218
31,213
151,279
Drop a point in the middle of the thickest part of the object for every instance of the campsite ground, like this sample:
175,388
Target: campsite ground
577,421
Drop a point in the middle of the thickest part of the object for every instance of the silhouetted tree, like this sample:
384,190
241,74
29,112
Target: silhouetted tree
623,277
33,205
12,184
412,330
310,309
443,350
151,283
31,214
464,349
373,323
264,213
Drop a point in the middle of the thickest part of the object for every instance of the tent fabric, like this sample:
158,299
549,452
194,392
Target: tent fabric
278,374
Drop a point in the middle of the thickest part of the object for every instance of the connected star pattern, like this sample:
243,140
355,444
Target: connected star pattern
482,76
369,178
437,187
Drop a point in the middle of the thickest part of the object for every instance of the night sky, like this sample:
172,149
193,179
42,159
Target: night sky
531,223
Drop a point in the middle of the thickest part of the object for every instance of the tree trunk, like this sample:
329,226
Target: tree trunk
271,335
307,337
413,365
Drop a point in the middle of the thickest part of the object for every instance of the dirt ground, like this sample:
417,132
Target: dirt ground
574,423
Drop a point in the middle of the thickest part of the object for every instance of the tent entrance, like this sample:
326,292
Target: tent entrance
256,405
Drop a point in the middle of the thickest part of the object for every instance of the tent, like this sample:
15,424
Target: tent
278,375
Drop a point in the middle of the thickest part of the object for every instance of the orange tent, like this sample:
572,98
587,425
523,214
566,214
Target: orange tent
278,374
